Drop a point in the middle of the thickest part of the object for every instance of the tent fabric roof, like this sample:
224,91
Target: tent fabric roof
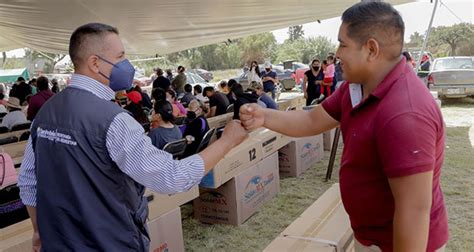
149,27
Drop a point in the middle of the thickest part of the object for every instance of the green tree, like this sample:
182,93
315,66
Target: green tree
450,35
295,32
50,59
304,50
257,47
416,40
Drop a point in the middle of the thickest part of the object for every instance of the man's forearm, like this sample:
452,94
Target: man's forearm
214,153
297,123
410,229
32,213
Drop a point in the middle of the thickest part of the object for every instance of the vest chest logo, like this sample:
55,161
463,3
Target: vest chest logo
55,136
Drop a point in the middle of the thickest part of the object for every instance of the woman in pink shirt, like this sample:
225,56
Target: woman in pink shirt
328,70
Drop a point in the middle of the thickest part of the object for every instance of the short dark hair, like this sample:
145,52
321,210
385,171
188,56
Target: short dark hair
406,55
231,82
77,43
181,68
159,71
42,83
237,89
158,94
188,88
198,89
374,19
165,110
20,79
207,89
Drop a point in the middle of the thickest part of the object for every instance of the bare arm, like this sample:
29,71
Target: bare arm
288,123
413,198
36,242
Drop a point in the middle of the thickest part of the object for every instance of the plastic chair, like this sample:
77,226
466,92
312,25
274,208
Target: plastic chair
176,148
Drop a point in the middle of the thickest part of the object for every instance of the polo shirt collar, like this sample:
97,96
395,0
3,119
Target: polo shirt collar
88,84
384,87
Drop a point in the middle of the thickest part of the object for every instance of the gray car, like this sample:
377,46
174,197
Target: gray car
452,77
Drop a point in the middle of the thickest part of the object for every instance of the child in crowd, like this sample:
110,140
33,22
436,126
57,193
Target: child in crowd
328,70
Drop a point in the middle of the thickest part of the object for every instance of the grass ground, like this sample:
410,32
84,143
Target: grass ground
225,74
296,194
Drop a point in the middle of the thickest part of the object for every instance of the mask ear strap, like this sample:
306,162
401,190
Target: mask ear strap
103,75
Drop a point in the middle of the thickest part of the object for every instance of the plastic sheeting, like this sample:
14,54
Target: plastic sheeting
149,27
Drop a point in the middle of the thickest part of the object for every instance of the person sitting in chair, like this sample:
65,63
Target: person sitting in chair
163,129
196,127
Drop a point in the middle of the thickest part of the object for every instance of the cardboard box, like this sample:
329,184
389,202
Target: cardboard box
17,237
237,200
219,121
166,232
324,226
15,150
269,141
328,139
158,204
300,155
237,160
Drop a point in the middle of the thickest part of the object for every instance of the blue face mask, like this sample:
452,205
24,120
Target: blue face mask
121,77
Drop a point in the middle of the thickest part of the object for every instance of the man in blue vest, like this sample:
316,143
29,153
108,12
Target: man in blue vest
88,161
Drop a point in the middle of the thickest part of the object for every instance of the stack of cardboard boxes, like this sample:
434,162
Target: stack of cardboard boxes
164,225
300,155
324,226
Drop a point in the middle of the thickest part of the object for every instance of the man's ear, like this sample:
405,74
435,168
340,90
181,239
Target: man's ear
93,63
372,47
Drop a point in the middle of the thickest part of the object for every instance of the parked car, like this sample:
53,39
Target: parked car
285,77
206,75
452,77
298,69
194,79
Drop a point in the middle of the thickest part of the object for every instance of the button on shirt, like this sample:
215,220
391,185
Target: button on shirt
130,149
397,131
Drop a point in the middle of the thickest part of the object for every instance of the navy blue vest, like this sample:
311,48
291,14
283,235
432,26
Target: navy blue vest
84,201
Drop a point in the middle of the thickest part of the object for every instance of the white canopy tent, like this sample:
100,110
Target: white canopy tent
149,27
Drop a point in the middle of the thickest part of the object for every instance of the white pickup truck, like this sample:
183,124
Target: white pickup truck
452,77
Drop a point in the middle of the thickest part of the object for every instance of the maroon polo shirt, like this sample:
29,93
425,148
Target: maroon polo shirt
397,131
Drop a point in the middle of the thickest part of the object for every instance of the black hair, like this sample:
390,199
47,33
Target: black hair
42,83
188,88
138,89
231,82
20,79
237,89
2,96
137,111
315,60
325,62
330,57
198,89
407,55
158,94
79,36
172,93
208,89
365,20
165,110
159,71
223,84
257,69
32,81
181,69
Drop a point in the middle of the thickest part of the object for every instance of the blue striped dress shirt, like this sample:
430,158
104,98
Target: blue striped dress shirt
130,149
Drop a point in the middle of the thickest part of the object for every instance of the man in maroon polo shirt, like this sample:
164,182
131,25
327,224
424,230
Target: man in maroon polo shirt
393,136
